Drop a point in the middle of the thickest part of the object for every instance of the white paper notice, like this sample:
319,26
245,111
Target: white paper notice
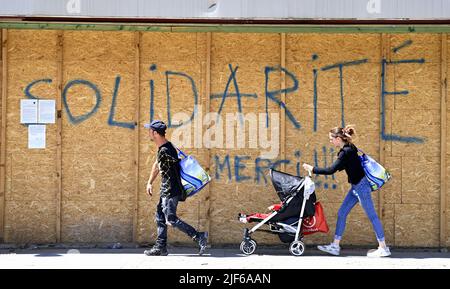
28,111
36,136
47,111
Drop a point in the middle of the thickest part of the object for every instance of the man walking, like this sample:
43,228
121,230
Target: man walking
171,192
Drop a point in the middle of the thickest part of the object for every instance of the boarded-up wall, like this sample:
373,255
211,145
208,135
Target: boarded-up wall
329,79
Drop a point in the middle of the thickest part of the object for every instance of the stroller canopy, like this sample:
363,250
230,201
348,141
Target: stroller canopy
285,184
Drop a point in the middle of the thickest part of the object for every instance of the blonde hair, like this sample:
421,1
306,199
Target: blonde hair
346,133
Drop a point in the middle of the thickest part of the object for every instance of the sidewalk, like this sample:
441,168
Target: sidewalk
220,258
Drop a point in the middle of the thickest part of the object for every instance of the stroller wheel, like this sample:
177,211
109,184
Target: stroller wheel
297,248
248,247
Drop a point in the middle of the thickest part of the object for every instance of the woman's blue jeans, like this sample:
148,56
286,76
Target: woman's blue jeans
361,193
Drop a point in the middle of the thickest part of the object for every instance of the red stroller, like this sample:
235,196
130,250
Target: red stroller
298,201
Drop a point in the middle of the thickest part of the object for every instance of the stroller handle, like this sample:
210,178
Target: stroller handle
270,173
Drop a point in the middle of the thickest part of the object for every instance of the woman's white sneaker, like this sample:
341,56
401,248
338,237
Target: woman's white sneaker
330,249
380,252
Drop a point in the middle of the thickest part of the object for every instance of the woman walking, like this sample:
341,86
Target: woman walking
360,190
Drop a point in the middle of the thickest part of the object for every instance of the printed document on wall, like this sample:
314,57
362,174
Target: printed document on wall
46,111
36,136
28,111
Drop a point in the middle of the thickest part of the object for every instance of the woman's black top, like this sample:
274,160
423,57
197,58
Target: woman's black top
348,159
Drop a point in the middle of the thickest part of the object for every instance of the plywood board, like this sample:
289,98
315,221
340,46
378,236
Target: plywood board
106,161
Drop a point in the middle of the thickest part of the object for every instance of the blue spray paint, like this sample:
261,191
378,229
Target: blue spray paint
220,95
272,94
341,65
384,135
334,186
237,93
403,45
315,99
29,86
278,163
259,169
298,154
112,111
78,119
324,151
325,162
220,166
315,71
194,91
232,77
332,159
240,166
316,161
152,94
262,167
152,100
